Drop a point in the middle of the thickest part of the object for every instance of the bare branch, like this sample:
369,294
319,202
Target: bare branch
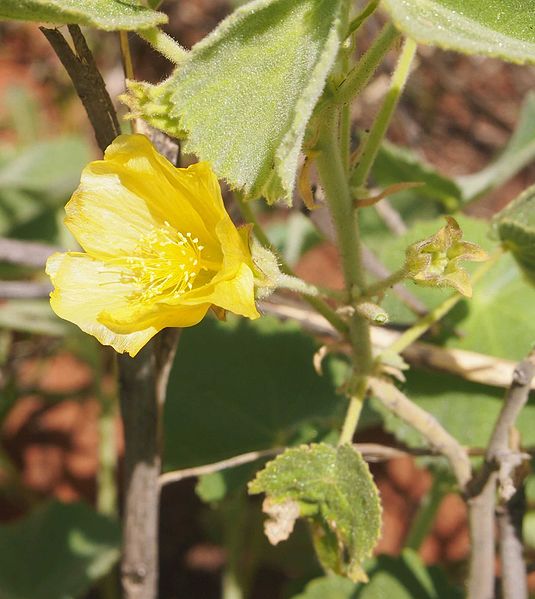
500,455
88,82
391,217
478,368
501,459
426,425
372,452
24,290
514,574
481,520
25,253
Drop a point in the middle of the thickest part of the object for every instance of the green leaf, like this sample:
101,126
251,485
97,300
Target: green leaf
333,489
396,164
401,577
58,551
331,587
49,167
467,410
35,182
233,389
248,89
519,151
495,320
515,225
109,15
33,316
498,28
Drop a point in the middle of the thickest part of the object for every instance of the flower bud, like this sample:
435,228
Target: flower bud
435,261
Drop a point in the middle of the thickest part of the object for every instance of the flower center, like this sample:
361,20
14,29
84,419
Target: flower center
166,263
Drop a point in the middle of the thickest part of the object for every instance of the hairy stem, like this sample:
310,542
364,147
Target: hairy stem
335,185
351,420
384,116
384,284
363,71
164,44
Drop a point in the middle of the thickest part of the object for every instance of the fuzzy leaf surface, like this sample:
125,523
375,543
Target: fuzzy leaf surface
498,28
110,15
335,492
246,92
516,228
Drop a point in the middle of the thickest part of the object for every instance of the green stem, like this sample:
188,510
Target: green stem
334,182
164,44
351,420
107,451
382,120
368,10
426,322
362,72
422,523
317,303
384,284
335,185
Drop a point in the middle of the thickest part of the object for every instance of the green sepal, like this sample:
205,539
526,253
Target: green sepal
435,261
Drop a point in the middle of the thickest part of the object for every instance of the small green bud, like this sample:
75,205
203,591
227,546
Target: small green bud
435,261
372,312
268,275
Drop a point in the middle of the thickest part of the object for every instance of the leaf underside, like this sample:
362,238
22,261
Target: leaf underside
110,15
497,28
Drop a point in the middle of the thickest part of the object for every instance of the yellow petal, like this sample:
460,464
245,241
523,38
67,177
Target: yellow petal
194,187
83,288
158,315
131,191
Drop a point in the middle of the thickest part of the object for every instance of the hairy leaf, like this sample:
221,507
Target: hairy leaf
247,91
58,551
515,225
335,493
499,28
109,15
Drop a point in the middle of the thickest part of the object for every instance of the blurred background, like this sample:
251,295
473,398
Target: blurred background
59,429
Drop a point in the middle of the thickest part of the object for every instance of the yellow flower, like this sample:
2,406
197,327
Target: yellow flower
160,249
